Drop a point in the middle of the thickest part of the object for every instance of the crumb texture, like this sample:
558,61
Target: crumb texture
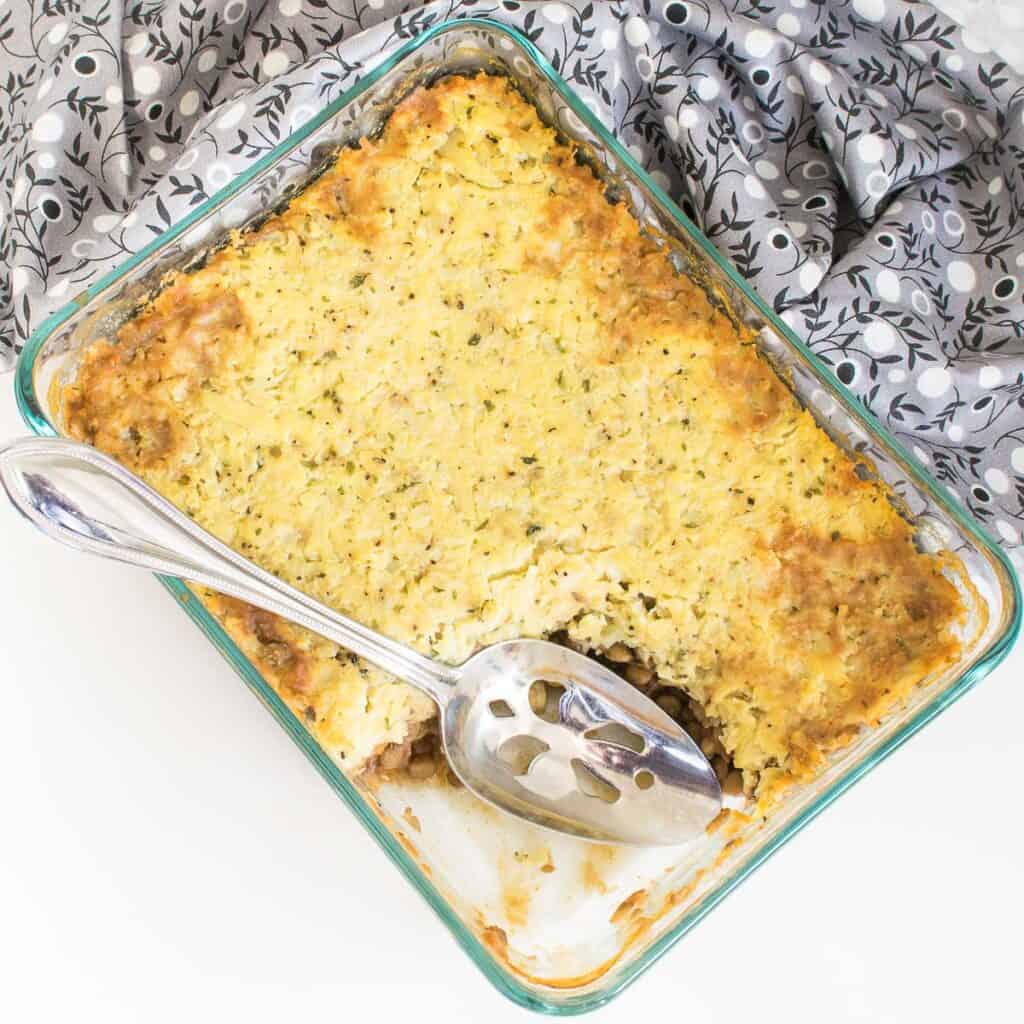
454,393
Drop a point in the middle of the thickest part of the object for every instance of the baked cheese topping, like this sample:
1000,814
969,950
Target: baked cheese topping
454,393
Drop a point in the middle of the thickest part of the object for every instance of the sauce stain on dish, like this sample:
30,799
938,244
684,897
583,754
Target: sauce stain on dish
520,872
516,905
496,940
595,866
629,909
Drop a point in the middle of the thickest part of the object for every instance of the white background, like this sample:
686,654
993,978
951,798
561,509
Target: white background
994,25
167,854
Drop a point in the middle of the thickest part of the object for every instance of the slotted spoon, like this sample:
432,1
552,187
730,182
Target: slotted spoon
601,761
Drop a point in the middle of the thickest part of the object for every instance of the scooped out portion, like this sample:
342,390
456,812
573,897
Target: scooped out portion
453,392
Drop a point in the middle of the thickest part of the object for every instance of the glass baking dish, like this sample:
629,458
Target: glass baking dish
562,941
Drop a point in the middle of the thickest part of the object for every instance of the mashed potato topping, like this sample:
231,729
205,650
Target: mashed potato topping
453,392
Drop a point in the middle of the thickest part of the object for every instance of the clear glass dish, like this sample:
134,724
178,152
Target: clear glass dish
562,941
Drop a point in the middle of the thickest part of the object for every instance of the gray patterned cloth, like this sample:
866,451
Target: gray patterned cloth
859,160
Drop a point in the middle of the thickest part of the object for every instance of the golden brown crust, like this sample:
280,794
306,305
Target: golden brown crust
120,399
452,391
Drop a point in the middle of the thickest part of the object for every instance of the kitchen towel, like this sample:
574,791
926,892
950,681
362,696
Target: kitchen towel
859,160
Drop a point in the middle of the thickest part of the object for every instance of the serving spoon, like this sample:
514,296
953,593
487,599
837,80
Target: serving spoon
595,758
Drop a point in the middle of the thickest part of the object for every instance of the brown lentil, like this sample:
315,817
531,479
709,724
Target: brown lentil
639,676
619,653
733,784
671,704
423,766
395,756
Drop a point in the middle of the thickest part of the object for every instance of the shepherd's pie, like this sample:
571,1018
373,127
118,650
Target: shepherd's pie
452,391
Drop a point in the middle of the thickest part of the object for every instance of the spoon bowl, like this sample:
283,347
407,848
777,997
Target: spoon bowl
530,726
593,756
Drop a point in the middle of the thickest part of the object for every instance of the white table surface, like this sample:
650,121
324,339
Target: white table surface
169,855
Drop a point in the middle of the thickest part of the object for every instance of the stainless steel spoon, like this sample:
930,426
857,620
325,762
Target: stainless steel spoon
602,761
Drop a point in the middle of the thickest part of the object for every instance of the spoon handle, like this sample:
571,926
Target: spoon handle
83,498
